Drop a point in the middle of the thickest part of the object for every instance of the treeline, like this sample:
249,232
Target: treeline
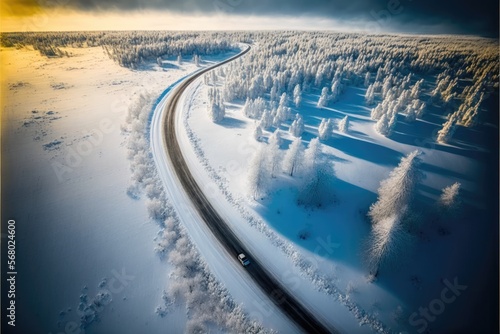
129,49
402,74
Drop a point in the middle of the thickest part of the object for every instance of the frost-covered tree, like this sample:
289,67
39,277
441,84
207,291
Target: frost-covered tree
266,121
258,174
274,155
396,192
389,240
344,124
411,114
297,127
380,74
217,112
283,112
386,124
248,107
377,112
276,118
317,176
311,155
325,129
196,60
256,88
449,127
156,209
386,87
392,123
416,90
274,93
293,157
216,108
450,197
336,89
470,109
254,108
323,98
419,107
283,100
383,126
257,133
370,95
297,96
367,79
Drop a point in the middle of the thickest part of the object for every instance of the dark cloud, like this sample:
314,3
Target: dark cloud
460,16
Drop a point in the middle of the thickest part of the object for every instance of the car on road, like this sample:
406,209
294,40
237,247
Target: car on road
243,260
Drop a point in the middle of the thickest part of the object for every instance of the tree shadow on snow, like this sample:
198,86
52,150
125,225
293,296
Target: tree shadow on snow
365,150
232,123
425,167
340,224
472,142
455,147
170,66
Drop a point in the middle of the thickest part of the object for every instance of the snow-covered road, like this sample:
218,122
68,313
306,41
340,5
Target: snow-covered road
223,265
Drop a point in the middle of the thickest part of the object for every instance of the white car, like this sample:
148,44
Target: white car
243,259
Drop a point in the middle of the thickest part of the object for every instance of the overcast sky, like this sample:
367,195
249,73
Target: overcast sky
407,16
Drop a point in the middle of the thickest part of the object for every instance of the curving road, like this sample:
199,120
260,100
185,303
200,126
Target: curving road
279,295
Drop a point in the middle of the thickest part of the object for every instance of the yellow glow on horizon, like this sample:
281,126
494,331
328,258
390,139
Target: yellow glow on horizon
60,19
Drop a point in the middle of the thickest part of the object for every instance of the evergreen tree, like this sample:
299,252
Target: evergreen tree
323,99
370,95
274,154
450,197
396,192
325,129
367,79
257,133
297,96
388,242
297,127
449,127
344,124
293,157
258,175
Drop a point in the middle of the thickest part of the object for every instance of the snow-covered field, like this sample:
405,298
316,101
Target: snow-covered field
81,238
66,188
107,243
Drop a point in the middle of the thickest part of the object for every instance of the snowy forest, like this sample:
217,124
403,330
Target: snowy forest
403,78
